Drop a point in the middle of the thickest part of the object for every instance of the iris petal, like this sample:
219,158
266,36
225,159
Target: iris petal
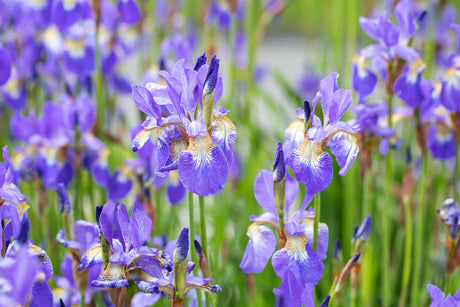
441,142
298,257
140,139
293,137
264,191
312,166
224,135
292,293
91,257
345,148
262,243
203,167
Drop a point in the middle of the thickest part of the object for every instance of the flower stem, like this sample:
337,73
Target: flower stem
367,286
204,241
317,203
419,231
386,212
99,86
386,230
457,166
191,218
407,253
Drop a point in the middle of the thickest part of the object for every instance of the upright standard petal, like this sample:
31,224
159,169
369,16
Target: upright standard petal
143,99
140,228
312,166
341,101
262,243
264,191
224,135
345,148
203,166
293,137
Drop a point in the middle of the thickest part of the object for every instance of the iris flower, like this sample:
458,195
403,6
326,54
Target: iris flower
305,139
192,137
169,282
296,262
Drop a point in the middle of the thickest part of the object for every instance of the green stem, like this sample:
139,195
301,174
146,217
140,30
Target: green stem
158,207
191,218
419,231
354,298
317,201
457,170
407,253
386,213
204,240
386,230
99,87
367,286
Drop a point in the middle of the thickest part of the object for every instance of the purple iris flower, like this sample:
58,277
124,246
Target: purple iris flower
450,91
409,87
450,215
177,46
126,238
440,138
219,14
5,65
439,299
79,55
200,151
9,192
443,37
304,149
364,80
67,13
129,11
24,272
164,280
297,264
86,243
14,91
308,84
370,119
47,140
392,40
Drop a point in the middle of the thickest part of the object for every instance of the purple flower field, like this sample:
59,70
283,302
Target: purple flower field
230,153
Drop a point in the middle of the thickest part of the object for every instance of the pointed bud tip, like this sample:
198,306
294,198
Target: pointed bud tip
200,62
307,110
182,246
98,214
198,248
355,257
325,303
211,78
279,167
